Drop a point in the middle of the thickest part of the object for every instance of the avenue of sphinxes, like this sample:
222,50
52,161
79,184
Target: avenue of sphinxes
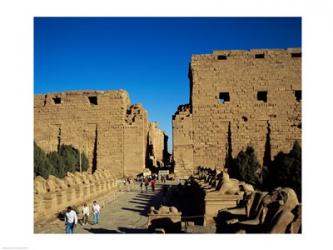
238,99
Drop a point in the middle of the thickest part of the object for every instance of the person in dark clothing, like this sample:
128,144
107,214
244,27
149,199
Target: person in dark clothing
146,184
152,183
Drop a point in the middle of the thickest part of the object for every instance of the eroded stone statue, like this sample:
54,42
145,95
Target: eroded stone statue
229,186
40,185
164,210
52,184
70,180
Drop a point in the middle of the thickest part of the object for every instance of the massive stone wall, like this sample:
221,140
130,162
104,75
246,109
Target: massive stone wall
183,139
135,140
239,99
157,144
103,125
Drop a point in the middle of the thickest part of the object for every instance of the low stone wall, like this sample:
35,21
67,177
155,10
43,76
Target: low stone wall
215,201
53,195
166,218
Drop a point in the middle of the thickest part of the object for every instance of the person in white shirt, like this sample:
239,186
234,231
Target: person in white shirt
85,213
96,209
70,220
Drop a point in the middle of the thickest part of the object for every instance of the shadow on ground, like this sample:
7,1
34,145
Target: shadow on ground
100,231
145,200
133,230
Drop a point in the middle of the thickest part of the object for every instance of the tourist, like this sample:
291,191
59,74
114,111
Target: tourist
141,182
129,181
96,209
146,184
152,183
85,214
124,182
70,220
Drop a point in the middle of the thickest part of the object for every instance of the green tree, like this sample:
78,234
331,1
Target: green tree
247,168
286,170
84,162
42,165
70,157
58,163
56,160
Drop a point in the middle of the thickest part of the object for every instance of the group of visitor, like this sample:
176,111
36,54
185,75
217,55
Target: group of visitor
147,181
143,181
71,218
127,183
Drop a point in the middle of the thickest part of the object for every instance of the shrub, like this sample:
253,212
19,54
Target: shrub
42,165
58,163
247,168
70,157
286,170
56,160
84,162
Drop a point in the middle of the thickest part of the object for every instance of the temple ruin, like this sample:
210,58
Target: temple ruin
238,98
114,134
157,145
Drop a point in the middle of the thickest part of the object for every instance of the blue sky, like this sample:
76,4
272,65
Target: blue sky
148,57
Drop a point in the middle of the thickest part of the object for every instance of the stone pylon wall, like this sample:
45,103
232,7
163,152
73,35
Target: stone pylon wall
135,139
103,125
240,99
183,140
156,139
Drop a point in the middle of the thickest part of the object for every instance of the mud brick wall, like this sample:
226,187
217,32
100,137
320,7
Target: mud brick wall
240,99
103,125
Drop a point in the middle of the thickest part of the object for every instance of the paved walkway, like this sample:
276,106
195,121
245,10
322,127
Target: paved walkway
126,214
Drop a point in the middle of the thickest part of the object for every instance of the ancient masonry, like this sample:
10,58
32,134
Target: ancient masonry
102,124
157,145
238,99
